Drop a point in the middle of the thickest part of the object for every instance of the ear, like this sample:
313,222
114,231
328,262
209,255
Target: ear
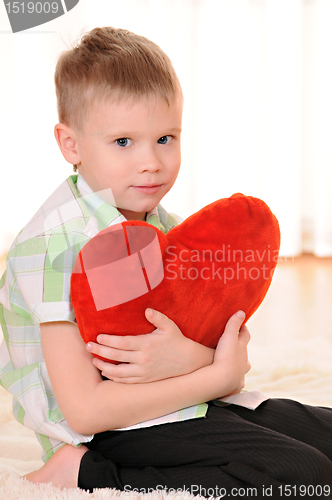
66,139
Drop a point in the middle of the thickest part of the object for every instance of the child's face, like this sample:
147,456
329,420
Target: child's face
132,147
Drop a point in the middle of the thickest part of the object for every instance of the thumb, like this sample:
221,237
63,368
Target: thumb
157,318
234,323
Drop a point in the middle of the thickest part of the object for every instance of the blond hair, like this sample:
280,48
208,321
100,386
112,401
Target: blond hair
110,63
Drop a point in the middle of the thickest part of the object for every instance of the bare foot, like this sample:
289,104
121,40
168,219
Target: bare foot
61,469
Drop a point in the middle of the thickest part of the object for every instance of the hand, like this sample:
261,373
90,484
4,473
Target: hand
162,354
232,352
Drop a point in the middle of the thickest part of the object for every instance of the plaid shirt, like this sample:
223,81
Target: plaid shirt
36,289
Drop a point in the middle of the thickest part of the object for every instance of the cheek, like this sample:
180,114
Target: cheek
93,159
176,162
117,178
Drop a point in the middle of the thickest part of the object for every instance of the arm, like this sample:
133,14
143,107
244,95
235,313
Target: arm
92,405
162,354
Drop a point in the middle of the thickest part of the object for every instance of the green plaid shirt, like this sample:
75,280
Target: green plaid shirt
35,288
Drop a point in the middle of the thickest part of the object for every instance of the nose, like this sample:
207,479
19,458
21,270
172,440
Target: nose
149,161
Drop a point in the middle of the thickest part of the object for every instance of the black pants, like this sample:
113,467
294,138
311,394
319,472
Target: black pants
282,449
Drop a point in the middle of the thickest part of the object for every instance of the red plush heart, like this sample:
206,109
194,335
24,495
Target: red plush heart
217,261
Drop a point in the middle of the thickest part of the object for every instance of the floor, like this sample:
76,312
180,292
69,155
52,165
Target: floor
298,303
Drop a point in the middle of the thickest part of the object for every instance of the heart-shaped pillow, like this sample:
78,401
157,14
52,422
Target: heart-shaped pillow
219,260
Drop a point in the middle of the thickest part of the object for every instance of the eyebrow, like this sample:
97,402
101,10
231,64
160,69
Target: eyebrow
175,129
112,135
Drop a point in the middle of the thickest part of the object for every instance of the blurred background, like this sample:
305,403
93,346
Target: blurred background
257,81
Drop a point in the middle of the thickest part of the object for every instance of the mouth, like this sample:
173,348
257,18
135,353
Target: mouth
148,189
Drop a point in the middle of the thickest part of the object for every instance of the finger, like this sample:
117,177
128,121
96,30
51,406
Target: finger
128,380
111,353
112,371
122,342
158,319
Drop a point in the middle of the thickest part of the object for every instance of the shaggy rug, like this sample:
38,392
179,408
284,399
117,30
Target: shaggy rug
298,369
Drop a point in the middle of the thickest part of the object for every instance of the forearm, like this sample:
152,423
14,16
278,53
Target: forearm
91,404
198,356
121,405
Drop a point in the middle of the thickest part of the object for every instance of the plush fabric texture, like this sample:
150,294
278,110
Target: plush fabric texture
219,260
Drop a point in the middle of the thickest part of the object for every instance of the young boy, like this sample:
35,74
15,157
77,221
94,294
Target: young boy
120,110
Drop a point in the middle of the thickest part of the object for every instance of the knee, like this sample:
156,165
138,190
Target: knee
312,468
320,468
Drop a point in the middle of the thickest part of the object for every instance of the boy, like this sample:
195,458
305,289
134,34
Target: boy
120,109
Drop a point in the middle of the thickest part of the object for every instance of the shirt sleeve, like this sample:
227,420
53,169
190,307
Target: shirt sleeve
33,290
38,277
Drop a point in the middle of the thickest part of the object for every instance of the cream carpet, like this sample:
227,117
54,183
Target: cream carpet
302,371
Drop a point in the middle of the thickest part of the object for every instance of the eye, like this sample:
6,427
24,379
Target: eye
165,139
123,142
